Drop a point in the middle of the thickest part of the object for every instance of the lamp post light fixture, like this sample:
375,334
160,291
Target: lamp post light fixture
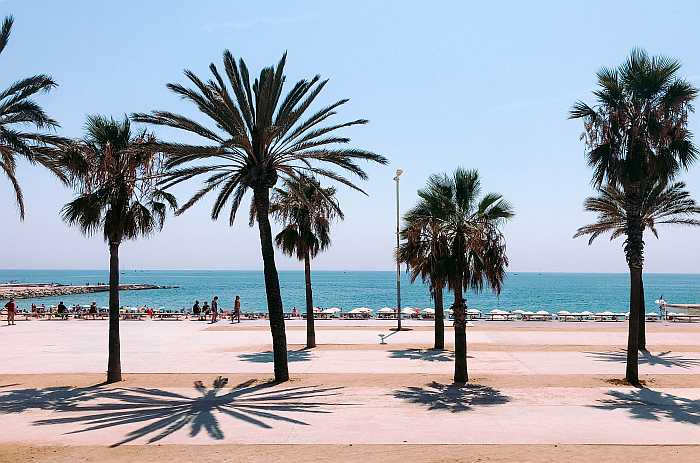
398,263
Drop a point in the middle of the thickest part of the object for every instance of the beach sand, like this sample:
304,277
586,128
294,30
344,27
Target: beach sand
425,453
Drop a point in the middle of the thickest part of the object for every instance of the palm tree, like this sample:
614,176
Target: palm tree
115,173
637,135
259,137
424,250
467,227
661,204
18,109
306,210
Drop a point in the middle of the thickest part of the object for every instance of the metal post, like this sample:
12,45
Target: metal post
398,263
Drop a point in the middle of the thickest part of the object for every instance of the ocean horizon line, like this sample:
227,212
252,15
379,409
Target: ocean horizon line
512,272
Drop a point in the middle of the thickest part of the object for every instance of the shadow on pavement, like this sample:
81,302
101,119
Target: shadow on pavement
647,404
430,355
267,357
161,413
452,397
666,359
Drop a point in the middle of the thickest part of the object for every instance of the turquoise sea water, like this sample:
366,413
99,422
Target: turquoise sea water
528,291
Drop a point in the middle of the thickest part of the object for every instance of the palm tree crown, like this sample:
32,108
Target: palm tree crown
18,110
470,225
638,129
661,204
306,209
116,174
261,135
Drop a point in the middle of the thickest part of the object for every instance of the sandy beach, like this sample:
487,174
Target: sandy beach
543,391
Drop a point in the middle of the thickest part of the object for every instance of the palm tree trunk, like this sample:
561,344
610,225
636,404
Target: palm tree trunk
310,331
261,196
642,319
439,318
634,251
632,372
114,365
461,375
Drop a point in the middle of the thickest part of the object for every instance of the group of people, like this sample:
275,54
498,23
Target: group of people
205,310
39,311
201,312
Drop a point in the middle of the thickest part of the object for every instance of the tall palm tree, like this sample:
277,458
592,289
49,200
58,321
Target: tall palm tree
636,135
259,137
115,173
424,250
18,110
468,227
306,210
661,204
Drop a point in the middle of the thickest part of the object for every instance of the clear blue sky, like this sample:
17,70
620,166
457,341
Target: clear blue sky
484,86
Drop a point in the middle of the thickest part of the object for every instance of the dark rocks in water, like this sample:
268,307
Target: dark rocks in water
37,290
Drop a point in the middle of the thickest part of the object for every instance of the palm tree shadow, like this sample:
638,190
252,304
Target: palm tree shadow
302,355
161,413
452,397
51,398
666,359
647,404
430,355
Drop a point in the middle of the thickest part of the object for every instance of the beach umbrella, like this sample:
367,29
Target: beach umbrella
358,310
563,312
428,310
542,312
331,310
519,312
586,313
498,312
408,311
652,314
470,311
386,310
606,313
317,310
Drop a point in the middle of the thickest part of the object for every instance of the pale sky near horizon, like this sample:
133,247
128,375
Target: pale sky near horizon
444,84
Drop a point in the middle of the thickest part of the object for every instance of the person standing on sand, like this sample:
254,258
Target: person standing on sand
236,309
214,309
62,311
196,310
11,309
93,309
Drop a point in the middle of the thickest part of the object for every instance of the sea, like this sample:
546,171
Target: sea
574,292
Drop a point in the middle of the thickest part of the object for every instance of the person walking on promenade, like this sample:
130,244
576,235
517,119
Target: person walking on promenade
214,309
236,309
11,308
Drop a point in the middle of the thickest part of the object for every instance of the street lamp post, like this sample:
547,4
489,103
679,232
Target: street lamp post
398,263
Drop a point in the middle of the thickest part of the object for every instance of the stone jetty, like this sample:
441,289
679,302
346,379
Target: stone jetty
36,290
